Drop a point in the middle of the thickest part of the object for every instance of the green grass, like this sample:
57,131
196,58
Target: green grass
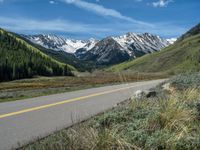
40,86
180,57
168,121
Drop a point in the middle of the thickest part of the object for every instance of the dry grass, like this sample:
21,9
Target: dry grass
95,78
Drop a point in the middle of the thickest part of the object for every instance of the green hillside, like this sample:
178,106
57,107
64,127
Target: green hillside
18,59
67,58
182,56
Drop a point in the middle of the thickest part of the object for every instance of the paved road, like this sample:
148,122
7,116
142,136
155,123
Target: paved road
23,121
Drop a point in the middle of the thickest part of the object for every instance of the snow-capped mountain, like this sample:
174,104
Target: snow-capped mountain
109,50
106,52
113,50
172,40
61,44
146,42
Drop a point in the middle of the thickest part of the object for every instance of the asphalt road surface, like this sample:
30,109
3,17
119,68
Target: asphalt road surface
24,121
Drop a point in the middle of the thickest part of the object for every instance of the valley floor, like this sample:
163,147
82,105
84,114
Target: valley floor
170,120
39,86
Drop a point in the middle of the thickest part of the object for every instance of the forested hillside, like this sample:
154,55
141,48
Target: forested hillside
19,60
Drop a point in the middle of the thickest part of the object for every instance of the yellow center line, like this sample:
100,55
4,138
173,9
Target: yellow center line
62,102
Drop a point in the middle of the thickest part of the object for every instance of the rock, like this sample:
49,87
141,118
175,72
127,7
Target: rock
151,94
168,87
139,94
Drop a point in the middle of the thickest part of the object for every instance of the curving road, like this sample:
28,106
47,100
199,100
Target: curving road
24,121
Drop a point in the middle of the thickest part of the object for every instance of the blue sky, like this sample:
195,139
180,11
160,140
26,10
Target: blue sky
82,19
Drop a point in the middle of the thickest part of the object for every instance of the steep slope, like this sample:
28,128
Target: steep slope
81,51
146,43
70,59
194,31
182,56
106,52
131,45
18,59
113,50
63,57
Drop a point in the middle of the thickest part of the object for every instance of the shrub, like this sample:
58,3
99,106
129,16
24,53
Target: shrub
187,80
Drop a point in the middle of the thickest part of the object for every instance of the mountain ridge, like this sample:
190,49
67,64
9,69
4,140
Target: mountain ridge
59,43
130,45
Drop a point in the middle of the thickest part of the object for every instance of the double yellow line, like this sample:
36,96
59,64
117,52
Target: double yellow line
62,102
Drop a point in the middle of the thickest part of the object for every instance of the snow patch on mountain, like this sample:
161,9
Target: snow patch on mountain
146,42
61,44
135,45
92,42
172,40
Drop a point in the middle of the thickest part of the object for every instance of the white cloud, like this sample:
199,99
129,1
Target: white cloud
161,3
101,10
32,26
159,28
52,2
26,25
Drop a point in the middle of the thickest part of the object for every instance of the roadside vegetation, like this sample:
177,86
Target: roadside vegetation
39,86
170,120
185,81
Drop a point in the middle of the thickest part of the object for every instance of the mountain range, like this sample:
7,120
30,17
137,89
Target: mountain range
108,51
23,56
58,43
182,56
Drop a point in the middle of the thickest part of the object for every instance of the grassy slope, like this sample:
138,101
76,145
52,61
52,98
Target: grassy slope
182,56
